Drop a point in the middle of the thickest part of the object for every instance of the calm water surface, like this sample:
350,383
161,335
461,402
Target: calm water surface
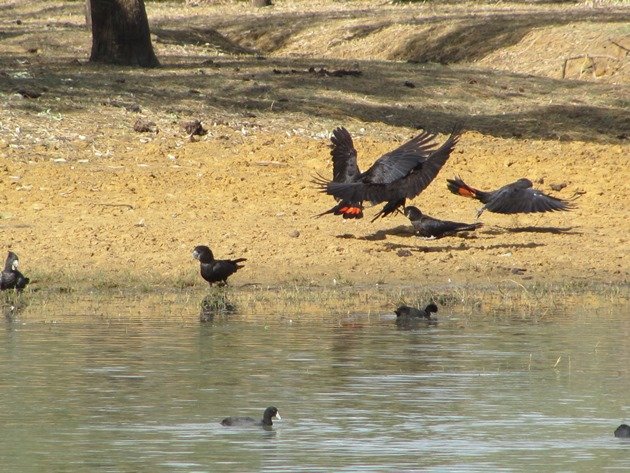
355,394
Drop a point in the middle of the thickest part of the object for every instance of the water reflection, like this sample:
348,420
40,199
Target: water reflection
216,304
414,323
356,394
12,304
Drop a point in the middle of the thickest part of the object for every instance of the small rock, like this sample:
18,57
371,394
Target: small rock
143,125
403,253
294,234
194,127
133,107
558,187
409,84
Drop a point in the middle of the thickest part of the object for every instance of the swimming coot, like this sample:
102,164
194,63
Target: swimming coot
623,431
215,270
267,420
406,312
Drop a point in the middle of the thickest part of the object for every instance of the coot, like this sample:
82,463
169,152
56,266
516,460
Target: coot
266,422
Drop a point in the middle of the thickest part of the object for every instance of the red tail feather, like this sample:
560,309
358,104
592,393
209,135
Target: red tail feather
351,212
459,187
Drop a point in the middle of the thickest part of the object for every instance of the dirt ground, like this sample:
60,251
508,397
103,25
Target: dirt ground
86,200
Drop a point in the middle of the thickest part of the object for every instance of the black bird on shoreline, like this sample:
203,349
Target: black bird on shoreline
11,278
407,312
215,270
266,422
434,228
516,197
394,177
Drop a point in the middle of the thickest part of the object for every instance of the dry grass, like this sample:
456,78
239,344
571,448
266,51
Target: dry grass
508,300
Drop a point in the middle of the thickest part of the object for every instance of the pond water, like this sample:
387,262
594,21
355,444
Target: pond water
108,394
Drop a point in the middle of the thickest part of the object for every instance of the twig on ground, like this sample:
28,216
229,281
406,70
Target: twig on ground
620,46
129,206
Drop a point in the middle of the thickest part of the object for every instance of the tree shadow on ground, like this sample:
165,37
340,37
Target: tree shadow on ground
200,37
245,85
450,37
411,95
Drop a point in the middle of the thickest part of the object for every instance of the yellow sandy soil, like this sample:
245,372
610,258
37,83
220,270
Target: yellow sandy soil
83,196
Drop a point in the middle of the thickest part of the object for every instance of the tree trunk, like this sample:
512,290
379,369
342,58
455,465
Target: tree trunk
120,33
88,14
